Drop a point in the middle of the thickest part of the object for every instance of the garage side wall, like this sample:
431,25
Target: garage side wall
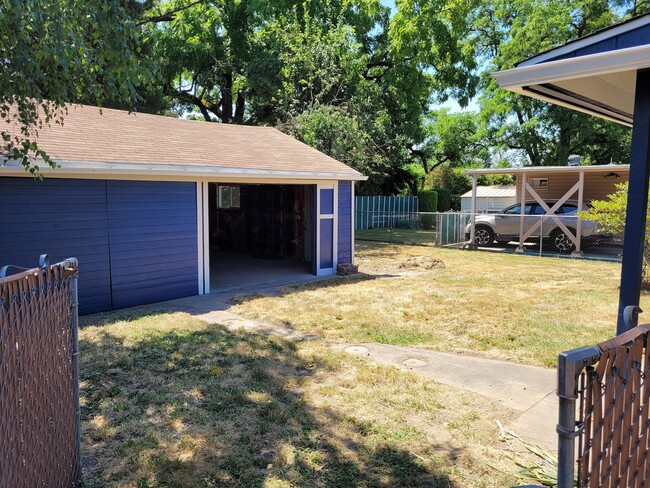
345,248
136,241
63,218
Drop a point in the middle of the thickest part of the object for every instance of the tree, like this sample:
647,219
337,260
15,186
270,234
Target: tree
54,53
340,75
610,213
507,32
455,140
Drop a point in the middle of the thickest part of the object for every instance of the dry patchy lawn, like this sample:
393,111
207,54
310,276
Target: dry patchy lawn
172,401
519,308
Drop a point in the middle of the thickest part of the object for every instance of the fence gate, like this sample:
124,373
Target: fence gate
39,376
612,427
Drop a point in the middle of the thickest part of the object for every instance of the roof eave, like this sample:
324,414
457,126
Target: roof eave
113,170
538,80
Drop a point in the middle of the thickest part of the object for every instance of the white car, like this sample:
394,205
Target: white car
505,226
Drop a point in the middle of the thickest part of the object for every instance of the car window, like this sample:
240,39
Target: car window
568,209
539,210
517,210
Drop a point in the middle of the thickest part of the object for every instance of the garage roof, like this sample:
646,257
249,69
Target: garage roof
595,74
115,141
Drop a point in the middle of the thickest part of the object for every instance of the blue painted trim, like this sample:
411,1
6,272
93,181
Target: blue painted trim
345,222
637,201
633,38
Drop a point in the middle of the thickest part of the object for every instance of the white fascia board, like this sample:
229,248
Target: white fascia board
602,168
629,59
137,171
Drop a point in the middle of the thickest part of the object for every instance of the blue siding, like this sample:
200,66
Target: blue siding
63,218
345,222
633,38
136,241
153,241
326,243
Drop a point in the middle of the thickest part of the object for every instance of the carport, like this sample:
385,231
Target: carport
606,74
557,184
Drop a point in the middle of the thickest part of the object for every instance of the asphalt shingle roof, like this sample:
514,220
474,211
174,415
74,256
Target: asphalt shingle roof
116,136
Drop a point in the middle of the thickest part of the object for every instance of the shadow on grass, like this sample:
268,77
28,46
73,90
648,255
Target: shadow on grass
209,407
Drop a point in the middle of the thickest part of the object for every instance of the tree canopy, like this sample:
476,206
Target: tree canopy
58,52
352,78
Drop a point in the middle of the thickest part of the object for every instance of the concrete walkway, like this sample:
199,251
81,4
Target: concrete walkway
528,389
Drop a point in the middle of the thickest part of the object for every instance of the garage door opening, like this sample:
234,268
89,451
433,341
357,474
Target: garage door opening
259,234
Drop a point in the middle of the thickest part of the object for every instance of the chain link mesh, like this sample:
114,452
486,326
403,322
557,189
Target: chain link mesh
38,391
614,405
544,235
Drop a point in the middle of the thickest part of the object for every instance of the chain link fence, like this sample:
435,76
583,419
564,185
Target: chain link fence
39,376
543,235
604,426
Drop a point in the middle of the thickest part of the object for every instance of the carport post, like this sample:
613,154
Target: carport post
581,188
520,248
637,201
472,233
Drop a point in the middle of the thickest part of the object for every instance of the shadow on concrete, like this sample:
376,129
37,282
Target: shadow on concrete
211,407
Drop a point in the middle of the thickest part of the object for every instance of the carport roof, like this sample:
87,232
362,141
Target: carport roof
603,168
595,74
94,141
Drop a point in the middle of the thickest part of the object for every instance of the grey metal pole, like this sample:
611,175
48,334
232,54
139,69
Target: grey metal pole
75,358
472,227
570,366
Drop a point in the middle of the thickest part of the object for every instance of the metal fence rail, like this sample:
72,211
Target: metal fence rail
39,376
611,421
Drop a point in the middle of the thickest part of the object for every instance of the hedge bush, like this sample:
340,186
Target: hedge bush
428,200
428,203
455,203
444,200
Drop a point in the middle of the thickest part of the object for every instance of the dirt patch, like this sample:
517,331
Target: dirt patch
421,262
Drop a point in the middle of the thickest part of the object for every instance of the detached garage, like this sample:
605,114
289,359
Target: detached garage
157,208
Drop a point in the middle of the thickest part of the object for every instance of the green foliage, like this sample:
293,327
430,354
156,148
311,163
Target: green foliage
457,182
444,199
529,130
610,214
455,140
428,200
453,179
494,180
455,203
59,52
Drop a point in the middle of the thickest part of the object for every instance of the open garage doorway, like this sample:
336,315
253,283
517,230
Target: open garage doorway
259,234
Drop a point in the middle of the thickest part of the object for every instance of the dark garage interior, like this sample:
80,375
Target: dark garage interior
259,234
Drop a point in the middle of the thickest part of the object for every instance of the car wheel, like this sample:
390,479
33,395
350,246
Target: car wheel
483,235
562,243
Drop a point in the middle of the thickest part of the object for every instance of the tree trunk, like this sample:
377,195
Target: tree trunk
226,99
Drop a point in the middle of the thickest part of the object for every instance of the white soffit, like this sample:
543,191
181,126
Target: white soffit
600,84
